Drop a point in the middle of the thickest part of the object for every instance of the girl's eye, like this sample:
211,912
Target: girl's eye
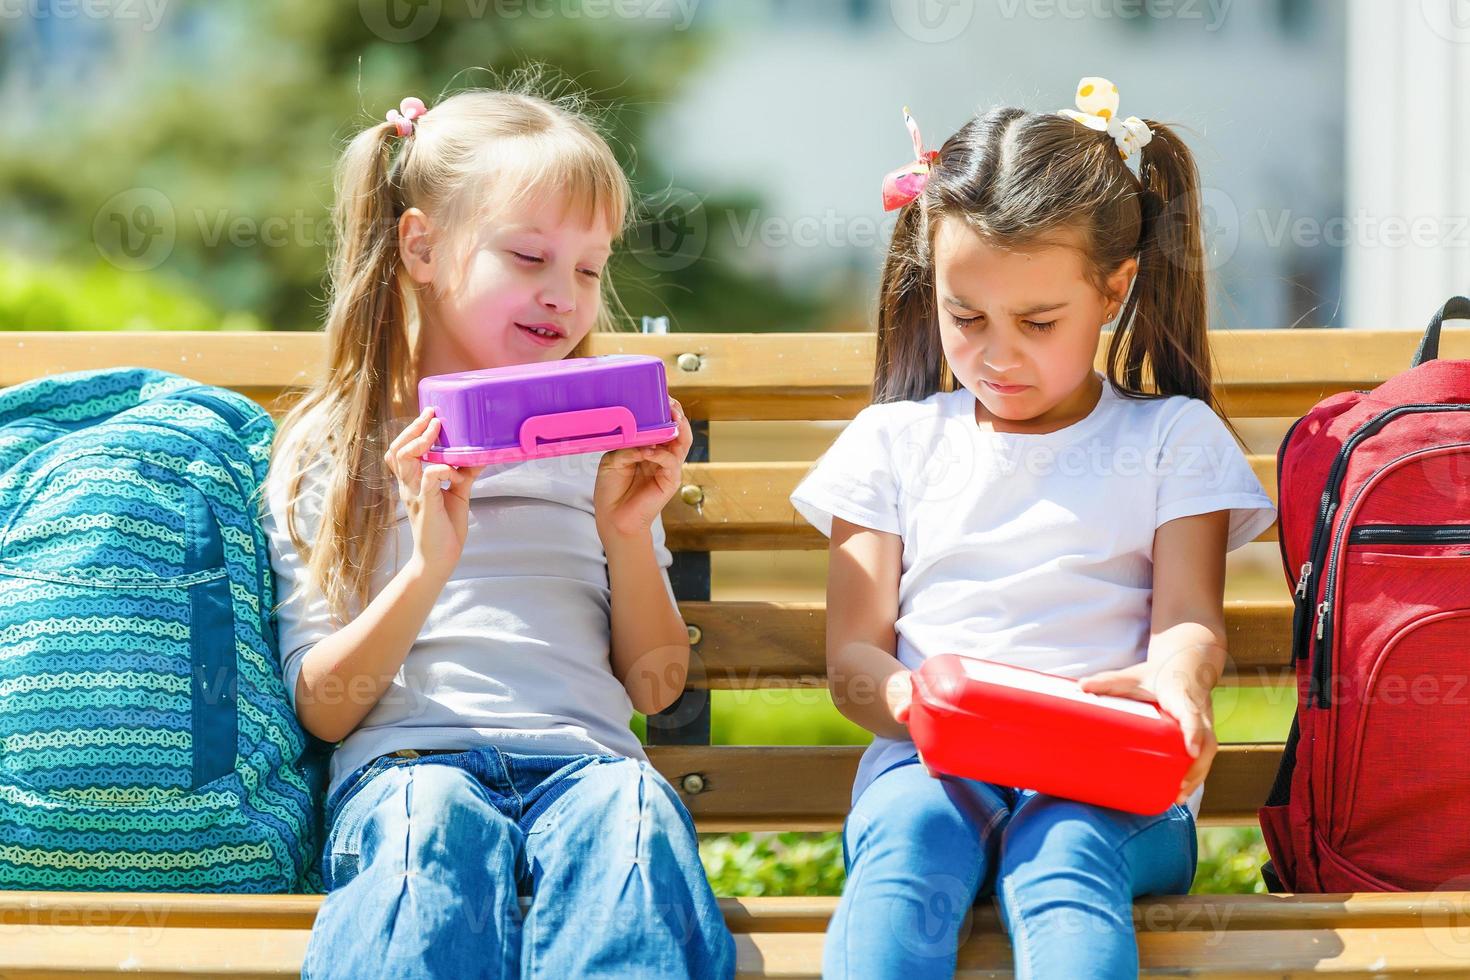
592,273
1040,327
963,321
536,259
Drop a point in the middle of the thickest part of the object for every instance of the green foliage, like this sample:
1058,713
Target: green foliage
1230,860
750,864
211,145
55,296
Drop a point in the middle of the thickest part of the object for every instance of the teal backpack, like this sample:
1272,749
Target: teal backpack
146,743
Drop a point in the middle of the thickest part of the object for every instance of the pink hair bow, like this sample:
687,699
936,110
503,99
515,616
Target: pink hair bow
408,110
905,184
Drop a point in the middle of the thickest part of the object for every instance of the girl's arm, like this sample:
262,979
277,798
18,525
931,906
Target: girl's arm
868,683
650,643
1187,643
343,676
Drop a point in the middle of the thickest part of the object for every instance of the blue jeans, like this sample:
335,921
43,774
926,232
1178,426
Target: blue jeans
920,850
427,856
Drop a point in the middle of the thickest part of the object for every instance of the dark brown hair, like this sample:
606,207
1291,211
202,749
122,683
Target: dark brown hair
1016,178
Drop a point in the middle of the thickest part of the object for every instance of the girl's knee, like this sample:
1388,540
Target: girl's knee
627,796
925,829
426,813
1046,825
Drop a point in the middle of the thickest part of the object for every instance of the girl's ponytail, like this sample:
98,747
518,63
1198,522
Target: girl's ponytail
1165,320
366,336
910,361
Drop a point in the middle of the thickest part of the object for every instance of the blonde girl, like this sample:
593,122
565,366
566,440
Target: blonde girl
477,639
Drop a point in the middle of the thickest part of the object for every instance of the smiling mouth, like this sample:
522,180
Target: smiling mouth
540,331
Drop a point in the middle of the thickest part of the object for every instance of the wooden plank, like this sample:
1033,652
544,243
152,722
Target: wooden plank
809,787
742,376
1173,913
753,645
1356,953
747,507
50,935
265,954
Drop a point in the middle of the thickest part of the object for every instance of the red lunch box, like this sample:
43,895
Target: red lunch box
1018,727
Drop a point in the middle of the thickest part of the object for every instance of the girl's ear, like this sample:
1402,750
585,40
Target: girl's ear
415,233
1119,282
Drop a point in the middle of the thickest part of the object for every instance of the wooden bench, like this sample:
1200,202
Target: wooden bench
728,506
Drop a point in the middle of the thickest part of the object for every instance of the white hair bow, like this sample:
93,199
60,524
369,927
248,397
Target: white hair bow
1097,98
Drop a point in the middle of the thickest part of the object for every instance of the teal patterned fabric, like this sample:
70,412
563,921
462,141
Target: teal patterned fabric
146,742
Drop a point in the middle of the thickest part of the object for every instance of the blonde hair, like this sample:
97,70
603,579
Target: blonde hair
519,143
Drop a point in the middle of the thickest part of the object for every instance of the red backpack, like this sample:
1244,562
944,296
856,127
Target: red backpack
1373,793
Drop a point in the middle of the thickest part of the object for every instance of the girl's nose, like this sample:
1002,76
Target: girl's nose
1001,360
558,296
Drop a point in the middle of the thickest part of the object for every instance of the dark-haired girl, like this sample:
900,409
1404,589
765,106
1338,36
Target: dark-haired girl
1004,499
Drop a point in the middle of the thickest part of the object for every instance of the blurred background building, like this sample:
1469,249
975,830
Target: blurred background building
168,161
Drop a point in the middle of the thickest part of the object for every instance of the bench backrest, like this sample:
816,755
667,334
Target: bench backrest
742,506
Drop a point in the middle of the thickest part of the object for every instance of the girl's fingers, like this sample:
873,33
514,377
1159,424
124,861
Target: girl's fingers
425,441
408,433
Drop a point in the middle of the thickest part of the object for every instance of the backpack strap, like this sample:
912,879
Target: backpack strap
1458,308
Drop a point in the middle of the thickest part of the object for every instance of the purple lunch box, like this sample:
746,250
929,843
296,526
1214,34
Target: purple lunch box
552,408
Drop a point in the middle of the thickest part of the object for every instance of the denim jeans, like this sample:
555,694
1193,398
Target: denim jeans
920,850
427,855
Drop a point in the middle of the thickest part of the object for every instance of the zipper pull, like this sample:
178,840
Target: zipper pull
1301,581
1322,618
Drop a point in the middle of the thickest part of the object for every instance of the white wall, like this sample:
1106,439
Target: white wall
802,103
1408,173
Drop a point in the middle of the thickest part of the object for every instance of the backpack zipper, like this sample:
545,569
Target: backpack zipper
1298,613
1410,534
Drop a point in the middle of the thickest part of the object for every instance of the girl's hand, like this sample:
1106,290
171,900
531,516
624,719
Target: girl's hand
439,518
899,692
634,484
1182,696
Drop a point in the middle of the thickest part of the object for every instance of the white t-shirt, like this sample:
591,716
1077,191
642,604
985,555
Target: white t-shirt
516,650
1029,549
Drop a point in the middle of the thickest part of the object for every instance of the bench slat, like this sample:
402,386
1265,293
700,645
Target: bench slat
753,644
809,787
747,507
1173,913
743,376
62,953
1283,954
